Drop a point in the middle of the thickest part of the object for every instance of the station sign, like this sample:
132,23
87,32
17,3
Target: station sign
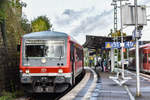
118,45
112,45
107,45
129,44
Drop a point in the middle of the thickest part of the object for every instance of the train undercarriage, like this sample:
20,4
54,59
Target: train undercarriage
46,84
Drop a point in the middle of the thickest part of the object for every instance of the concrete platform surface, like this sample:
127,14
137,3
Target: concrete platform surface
107,89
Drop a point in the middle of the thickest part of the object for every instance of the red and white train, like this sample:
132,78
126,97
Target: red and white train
144,58
49,61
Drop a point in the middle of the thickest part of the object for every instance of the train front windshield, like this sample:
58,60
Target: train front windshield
44,48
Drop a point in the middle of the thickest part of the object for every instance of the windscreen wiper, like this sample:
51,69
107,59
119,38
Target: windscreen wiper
60,53
27,58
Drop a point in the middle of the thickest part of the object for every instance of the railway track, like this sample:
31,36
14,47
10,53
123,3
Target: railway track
145,76
142,75
51,96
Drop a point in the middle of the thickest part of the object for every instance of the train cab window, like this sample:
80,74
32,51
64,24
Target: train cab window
34,51
59,51
44,48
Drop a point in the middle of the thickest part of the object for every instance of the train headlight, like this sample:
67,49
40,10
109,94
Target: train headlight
20,71
60,71
43,60
27,71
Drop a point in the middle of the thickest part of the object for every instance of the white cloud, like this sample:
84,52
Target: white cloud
97,22
80,17
70,15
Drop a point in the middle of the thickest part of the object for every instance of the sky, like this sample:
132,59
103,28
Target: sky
79,18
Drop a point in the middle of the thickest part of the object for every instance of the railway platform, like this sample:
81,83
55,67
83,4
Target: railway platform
103,88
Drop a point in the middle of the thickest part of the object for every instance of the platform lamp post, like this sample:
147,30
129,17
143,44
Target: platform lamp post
122,45
114,3
137,17
121,30
137,52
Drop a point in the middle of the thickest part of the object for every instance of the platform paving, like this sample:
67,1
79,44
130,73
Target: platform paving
107,89
144,87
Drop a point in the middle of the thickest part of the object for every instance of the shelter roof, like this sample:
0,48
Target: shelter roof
98,42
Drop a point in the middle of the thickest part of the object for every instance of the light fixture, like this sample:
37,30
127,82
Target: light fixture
43,60
27,71
60,70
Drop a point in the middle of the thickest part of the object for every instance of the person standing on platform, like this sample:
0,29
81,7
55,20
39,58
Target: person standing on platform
99,61
90,61
102,65
109,64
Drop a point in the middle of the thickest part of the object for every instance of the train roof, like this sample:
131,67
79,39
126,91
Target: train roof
145,46
45,34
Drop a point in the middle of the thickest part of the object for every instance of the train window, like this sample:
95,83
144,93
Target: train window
72,52
79,54
145,58
59,51
148,58
45,48
34,51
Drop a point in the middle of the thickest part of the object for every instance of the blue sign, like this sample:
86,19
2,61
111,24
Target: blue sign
107,45
115,45
112,44
129,44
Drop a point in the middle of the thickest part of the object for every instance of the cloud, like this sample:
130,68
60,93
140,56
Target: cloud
92,23
70,15
145,1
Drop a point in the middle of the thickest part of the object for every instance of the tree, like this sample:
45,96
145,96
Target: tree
26,26
117,34
41,23
2,10
11,31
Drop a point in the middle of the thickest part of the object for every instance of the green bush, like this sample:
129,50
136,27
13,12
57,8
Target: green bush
7,96
11,96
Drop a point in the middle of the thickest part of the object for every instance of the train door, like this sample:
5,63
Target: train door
148,65
72,60
77,59
148,59
141,59
145,61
